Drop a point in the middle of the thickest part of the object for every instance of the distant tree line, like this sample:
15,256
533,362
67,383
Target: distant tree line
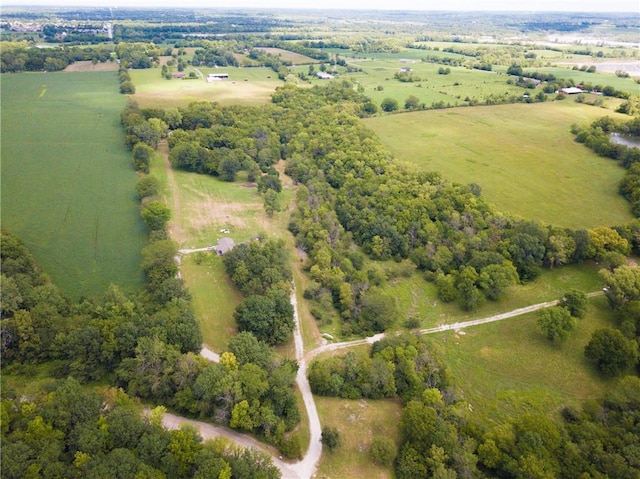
18,57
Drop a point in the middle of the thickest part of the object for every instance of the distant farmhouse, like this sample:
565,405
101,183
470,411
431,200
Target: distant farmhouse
211,77
179,75
570,90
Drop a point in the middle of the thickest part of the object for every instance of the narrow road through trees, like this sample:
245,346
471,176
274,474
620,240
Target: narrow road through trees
305,468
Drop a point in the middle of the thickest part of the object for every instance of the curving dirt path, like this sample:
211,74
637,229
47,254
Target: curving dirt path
305,468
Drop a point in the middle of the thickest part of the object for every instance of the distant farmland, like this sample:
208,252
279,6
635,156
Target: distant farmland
67,180
523,157
245,86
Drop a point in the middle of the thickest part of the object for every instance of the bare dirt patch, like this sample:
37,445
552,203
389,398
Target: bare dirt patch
88,66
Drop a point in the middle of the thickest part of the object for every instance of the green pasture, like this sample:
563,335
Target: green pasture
68,181
523,156
215,298
245,86
597,78
358,422
508,367
417,298
459,87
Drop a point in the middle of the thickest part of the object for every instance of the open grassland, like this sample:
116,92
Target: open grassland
509,367
67,179
523,157
215,298
245,86
358,422
376,78
603,78
418,299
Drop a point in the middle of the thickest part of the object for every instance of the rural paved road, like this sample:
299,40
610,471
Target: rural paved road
305,468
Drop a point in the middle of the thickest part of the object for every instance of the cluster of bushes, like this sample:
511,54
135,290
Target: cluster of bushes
212,56
401,366
75,432
137,55
260,270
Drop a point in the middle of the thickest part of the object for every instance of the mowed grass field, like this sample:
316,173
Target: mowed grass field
245,86
358,422
287,56
417,298
68,181
523,156
509,368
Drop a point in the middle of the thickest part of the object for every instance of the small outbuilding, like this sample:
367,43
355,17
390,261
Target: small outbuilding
324,76
570,90
211,77
224,246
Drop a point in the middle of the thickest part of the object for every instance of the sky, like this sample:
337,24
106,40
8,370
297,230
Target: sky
469,5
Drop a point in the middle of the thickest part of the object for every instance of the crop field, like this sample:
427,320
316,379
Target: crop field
245,86
523,157
509,367
67,179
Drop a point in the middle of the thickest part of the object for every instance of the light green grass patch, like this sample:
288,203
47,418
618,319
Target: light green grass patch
68,180
456,88
215,298
508,367
417,298
245,86
523,156
358,422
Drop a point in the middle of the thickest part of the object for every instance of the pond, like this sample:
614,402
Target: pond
631,141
